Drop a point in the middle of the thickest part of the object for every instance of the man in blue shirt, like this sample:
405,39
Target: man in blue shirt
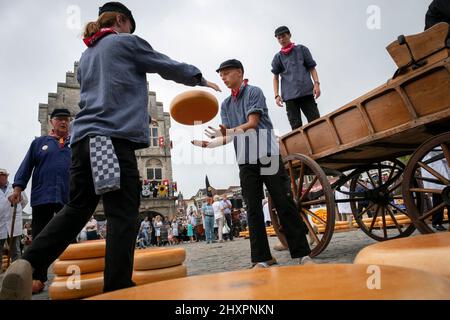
112,124
48,161
246,121
295,66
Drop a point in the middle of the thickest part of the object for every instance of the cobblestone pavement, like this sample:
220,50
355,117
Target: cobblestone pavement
235,255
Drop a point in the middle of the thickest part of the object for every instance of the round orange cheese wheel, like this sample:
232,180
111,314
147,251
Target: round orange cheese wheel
67,267
316,282
429,253
158,258
91,284
194,107
150,276
84,250
69,288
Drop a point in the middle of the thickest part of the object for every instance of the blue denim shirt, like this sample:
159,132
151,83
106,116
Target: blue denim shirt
50,166
254,144
113,87
208,210
294,71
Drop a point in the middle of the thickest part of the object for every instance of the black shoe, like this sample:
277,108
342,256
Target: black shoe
439,227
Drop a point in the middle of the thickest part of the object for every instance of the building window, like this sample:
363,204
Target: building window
154,142
154,174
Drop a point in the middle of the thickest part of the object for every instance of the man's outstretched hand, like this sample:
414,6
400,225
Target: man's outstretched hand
214,86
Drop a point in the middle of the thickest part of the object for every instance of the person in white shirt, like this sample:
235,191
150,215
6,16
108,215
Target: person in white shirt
6,216
218,216
157,226
344,208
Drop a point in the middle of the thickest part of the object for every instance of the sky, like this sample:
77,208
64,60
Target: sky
347,38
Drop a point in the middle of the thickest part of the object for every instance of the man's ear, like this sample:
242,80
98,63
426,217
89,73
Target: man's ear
120,20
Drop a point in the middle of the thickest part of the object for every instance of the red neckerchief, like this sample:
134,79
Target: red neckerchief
61,140
99,35
235,92
287,50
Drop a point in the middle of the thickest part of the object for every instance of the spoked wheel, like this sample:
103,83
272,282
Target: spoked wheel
378,205
427,177
310,187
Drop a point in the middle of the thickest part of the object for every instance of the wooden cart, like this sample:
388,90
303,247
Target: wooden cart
409,116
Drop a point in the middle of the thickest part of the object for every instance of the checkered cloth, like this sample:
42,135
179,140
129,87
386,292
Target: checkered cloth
104,164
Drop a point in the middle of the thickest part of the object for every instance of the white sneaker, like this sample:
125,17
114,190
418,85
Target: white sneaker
306,260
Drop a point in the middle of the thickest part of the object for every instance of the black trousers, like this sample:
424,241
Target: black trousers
228,221
279,189
121,210
438,217
42,214
307,105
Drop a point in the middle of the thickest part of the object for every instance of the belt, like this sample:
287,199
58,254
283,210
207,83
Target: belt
207,215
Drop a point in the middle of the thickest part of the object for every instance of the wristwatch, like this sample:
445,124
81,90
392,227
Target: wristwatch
317,82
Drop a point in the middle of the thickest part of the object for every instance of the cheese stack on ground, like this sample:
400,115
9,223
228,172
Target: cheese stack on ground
269,230
4,263
79,270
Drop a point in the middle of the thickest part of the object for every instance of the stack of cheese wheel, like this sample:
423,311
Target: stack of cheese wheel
269,230
79,270
430,253
338,226
159,264
400,218
4,263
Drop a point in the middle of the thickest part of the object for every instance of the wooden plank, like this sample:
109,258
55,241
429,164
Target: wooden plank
421,45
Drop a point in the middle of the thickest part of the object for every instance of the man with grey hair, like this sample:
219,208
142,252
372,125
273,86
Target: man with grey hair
47,162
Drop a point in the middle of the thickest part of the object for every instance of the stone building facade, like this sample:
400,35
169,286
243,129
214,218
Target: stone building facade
154,163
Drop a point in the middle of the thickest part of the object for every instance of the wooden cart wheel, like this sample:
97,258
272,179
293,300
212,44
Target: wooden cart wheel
422,180
387,219
310,187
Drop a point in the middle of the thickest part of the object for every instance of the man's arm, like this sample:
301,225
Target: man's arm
315,77
23,175
151,61
276,90
226,135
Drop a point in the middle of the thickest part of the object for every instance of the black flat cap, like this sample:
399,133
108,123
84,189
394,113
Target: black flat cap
281,30
233,63
118,7
60,113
